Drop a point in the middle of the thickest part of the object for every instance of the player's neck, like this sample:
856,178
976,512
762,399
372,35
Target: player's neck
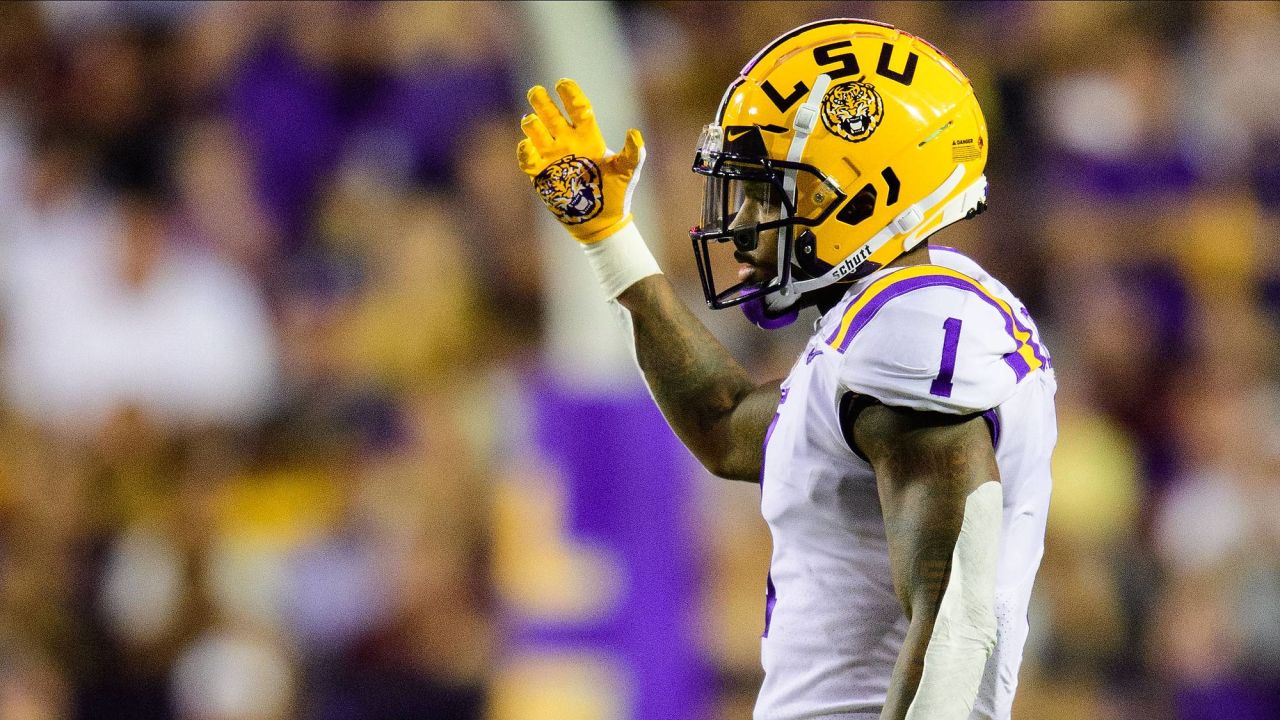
830,296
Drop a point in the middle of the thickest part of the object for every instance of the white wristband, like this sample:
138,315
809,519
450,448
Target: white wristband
621,260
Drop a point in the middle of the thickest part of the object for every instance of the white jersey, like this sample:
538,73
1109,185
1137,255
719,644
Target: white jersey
944,337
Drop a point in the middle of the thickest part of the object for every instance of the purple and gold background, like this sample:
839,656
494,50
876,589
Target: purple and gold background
280,436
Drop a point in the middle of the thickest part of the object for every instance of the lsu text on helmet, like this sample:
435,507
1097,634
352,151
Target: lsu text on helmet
871,139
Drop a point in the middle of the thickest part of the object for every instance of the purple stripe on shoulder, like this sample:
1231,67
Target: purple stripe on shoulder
1031,340
868,311
836,333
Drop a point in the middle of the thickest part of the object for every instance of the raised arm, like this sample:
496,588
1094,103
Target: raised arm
941,497
706,396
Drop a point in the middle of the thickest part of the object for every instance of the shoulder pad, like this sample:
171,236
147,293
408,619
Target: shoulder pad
931,338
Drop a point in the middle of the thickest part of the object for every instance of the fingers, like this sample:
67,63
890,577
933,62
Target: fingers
529,158
545,108
632,154
537,133
578,106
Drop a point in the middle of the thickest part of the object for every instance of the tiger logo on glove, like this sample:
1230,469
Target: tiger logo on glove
570,187
853,110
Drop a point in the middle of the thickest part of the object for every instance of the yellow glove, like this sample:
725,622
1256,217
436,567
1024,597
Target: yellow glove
587,187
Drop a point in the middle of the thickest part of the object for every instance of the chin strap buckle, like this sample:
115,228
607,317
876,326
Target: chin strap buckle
806,119
907,221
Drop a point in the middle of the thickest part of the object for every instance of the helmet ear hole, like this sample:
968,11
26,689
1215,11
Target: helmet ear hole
860,207
806,255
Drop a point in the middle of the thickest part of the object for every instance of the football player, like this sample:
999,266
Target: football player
904,461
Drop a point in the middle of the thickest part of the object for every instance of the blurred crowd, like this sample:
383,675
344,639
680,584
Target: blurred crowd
267,288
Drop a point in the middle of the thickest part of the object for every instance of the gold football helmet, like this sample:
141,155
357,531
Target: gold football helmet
871,139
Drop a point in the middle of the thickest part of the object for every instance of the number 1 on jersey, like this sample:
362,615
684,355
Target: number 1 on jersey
950,339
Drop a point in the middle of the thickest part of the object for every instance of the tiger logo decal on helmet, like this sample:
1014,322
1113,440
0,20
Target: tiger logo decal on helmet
570,187
853,110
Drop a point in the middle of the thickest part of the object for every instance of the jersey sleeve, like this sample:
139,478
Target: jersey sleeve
943,348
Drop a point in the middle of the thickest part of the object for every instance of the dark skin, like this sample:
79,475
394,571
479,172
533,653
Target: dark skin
926,464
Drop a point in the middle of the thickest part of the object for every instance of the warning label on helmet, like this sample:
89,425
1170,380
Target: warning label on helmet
965,150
